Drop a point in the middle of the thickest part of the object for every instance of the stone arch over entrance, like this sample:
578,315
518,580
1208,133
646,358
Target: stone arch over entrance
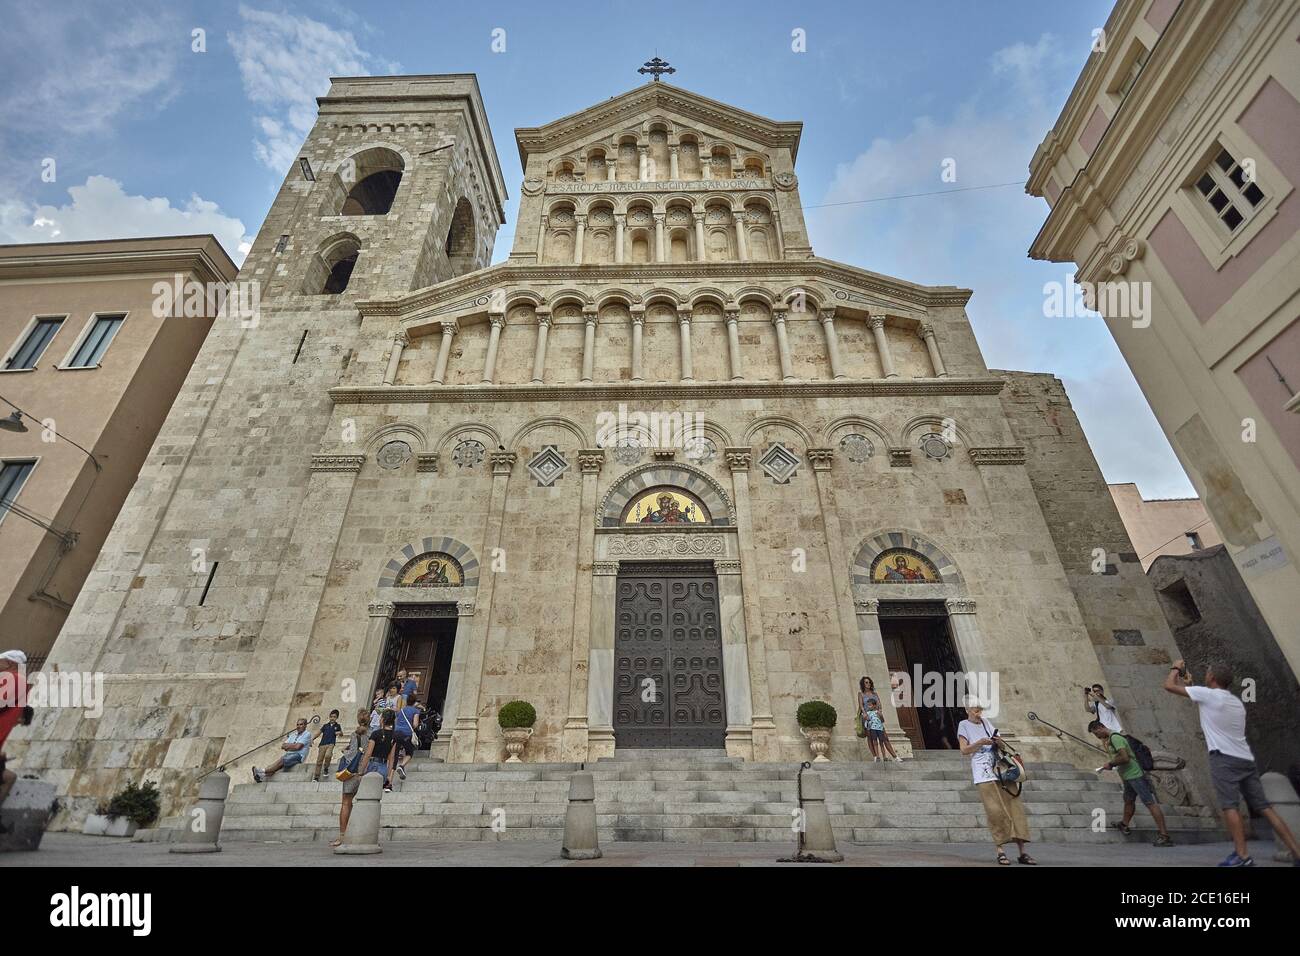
694,480
456,550
882,542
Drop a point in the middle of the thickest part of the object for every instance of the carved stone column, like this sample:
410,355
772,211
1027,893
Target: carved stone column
400,341
600,660
574,745
494,340
589,343
882,347
827,317
782,343
611,169
541,236
766,744
932,346
620,225
465,735
742,242
578,241
539,353
701,254
821,460
660,251
966,635
672,162
643,163
733,344
638,324
684,323
456,677
449,330
735,660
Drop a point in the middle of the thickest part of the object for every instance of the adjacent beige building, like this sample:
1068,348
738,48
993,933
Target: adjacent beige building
1172,177
664,472
1163,525
87,363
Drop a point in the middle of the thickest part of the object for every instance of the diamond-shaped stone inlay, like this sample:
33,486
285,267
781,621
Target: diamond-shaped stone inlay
548,465
780,463
857,448
468,453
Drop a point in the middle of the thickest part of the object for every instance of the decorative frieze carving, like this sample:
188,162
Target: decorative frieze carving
869,606
660,186
738,459
660,545
604,567
821,459
726,566
426,462
900,457
956,606
503,462
325,463
1010,455
591,460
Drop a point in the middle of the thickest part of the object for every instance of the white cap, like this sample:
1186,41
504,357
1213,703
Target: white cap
18,657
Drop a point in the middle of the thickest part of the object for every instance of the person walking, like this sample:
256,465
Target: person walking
1137,785
356,745
1005,813
378,757
1232,763
408,722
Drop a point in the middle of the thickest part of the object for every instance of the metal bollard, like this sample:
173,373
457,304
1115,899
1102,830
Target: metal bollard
202,827
363,826
581,841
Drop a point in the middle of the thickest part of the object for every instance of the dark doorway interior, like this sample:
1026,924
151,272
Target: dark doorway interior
422,646
917,633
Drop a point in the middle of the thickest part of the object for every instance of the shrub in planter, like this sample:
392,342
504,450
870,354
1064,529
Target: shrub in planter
816,713
140,805
516,714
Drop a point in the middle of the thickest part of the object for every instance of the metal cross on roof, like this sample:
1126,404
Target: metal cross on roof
656,67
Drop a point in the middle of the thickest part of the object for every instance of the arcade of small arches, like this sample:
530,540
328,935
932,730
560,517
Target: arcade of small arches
657,153
604,230
533,309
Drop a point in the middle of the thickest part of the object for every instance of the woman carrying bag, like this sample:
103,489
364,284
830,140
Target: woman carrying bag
1002,804
350,770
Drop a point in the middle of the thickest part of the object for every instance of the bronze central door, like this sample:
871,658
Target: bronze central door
668,658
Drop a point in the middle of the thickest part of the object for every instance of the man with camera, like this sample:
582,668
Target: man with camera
1101,707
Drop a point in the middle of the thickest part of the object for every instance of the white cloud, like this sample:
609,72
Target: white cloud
70,72
101,209
285,62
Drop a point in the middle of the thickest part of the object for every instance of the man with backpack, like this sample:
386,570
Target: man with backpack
1124,756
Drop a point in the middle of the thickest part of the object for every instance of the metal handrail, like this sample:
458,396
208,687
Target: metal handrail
1060,730
315,719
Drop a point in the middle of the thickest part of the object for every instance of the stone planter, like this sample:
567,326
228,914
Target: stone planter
516,740
819,742
97,824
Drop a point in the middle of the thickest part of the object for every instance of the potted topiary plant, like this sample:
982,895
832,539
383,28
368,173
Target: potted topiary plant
516,719
816,720
131,808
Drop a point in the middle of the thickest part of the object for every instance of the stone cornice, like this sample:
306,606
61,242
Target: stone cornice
613,115
75,260
473,291
607,391
330,463
1010,455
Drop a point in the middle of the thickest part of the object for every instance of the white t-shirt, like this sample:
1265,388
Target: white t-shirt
1107,714
981,761
1223,721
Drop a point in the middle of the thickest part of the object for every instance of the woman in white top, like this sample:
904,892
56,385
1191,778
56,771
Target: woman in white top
1006,814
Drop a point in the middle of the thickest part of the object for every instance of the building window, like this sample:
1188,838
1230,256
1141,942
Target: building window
33,346
96,341
1178,604
1194,540
1129,76
1229,190
13,474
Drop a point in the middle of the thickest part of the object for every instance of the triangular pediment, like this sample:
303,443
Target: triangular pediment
626,112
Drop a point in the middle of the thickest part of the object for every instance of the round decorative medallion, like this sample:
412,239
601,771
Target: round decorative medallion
627,452
935,446
468,453
786,181
700,451
857,448
532,186
393,455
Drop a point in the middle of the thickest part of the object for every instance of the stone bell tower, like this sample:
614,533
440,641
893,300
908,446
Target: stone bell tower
200,603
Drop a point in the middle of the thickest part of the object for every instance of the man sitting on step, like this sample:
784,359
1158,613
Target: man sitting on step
295,749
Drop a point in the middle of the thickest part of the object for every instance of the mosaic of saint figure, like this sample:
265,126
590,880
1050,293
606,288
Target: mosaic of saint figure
669,512
900,566
434,575
900,573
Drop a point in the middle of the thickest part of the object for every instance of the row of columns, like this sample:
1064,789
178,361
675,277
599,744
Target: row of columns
684,316
674,166
660,234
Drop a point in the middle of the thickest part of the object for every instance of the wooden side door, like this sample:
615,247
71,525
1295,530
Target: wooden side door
896,660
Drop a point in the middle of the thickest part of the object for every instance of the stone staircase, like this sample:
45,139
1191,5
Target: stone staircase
701,798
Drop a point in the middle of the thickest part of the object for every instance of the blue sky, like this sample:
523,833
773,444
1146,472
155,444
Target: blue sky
149,137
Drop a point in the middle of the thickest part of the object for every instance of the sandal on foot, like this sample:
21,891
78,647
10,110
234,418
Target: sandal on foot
1002,859
1027,860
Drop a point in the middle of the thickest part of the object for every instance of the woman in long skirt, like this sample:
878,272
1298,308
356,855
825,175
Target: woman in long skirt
1005,813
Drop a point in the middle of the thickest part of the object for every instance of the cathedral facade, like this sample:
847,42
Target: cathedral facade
662,472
